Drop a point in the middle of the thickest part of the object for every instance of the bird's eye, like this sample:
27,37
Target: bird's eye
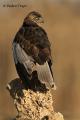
37,18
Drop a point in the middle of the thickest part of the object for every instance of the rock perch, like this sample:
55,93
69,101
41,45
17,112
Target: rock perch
32,105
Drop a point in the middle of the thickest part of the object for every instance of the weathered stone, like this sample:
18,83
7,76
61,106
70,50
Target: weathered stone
32,105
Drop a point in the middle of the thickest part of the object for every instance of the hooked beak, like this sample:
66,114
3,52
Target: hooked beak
41,20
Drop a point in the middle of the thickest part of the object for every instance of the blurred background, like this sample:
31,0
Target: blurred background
62,23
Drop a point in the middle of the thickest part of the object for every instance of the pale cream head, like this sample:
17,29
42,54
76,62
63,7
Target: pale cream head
35,17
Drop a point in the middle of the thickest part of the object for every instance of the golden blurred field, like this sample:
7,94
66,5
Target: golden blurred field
62,23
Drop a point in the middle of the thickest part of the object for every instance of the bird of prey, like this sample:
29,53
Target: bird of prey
32,53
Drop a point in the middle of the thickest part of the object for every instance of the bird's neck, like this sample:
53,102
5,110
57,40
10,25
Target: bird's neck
29,22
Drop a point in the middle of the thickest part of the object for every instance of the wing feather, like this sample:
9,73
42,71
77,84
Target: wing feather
45,76
22,57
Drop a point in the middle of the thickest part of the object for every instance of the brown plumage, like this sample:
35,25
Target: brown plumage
32,53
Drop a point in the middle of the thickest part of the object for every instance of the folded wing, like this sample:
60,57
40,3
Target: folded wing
45,76
21,57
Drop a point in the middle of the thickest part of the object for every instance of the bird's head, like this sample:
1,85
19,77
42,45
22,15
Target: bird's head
35,17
